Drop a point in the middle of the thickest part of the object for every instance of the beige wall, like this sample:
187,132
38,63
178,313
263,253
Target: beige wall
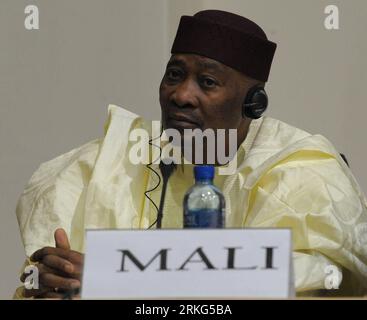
55,83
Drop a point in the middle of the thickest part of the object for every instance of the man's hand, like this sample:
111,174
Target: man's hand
59,269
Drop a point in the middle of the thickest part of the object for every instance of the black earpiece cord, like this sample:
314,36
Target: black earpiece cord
157,174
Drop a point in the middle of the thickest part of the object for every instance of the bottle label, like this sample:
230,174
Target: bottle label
203,218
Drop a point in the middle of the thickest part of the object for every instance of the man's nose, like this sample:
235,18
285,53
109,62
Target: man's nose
185,94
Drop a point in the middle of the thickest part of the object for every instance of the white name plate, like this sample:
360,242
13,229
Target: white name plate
190,263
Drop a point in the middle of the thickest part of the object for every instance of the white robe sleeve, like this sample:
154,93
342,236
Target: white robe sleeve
314,195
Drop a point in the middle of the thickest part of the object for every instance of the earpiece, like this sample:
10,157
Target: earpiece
255,103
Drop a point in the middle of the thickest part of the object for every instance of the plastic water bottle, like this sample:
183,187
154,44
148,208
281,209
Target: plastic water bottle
204,204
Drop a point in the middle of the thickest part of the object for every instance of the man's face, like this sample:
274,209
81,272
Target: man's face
198,92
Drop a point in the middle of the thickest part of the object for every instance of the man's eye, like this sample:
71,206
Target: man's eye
209,83
173,74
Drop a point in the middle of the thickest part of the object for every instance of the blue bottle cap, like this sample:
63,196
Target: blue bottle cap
204,172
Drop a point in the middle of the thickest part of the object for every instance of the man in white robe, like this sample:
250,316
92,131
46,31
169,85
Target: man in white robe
285,177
